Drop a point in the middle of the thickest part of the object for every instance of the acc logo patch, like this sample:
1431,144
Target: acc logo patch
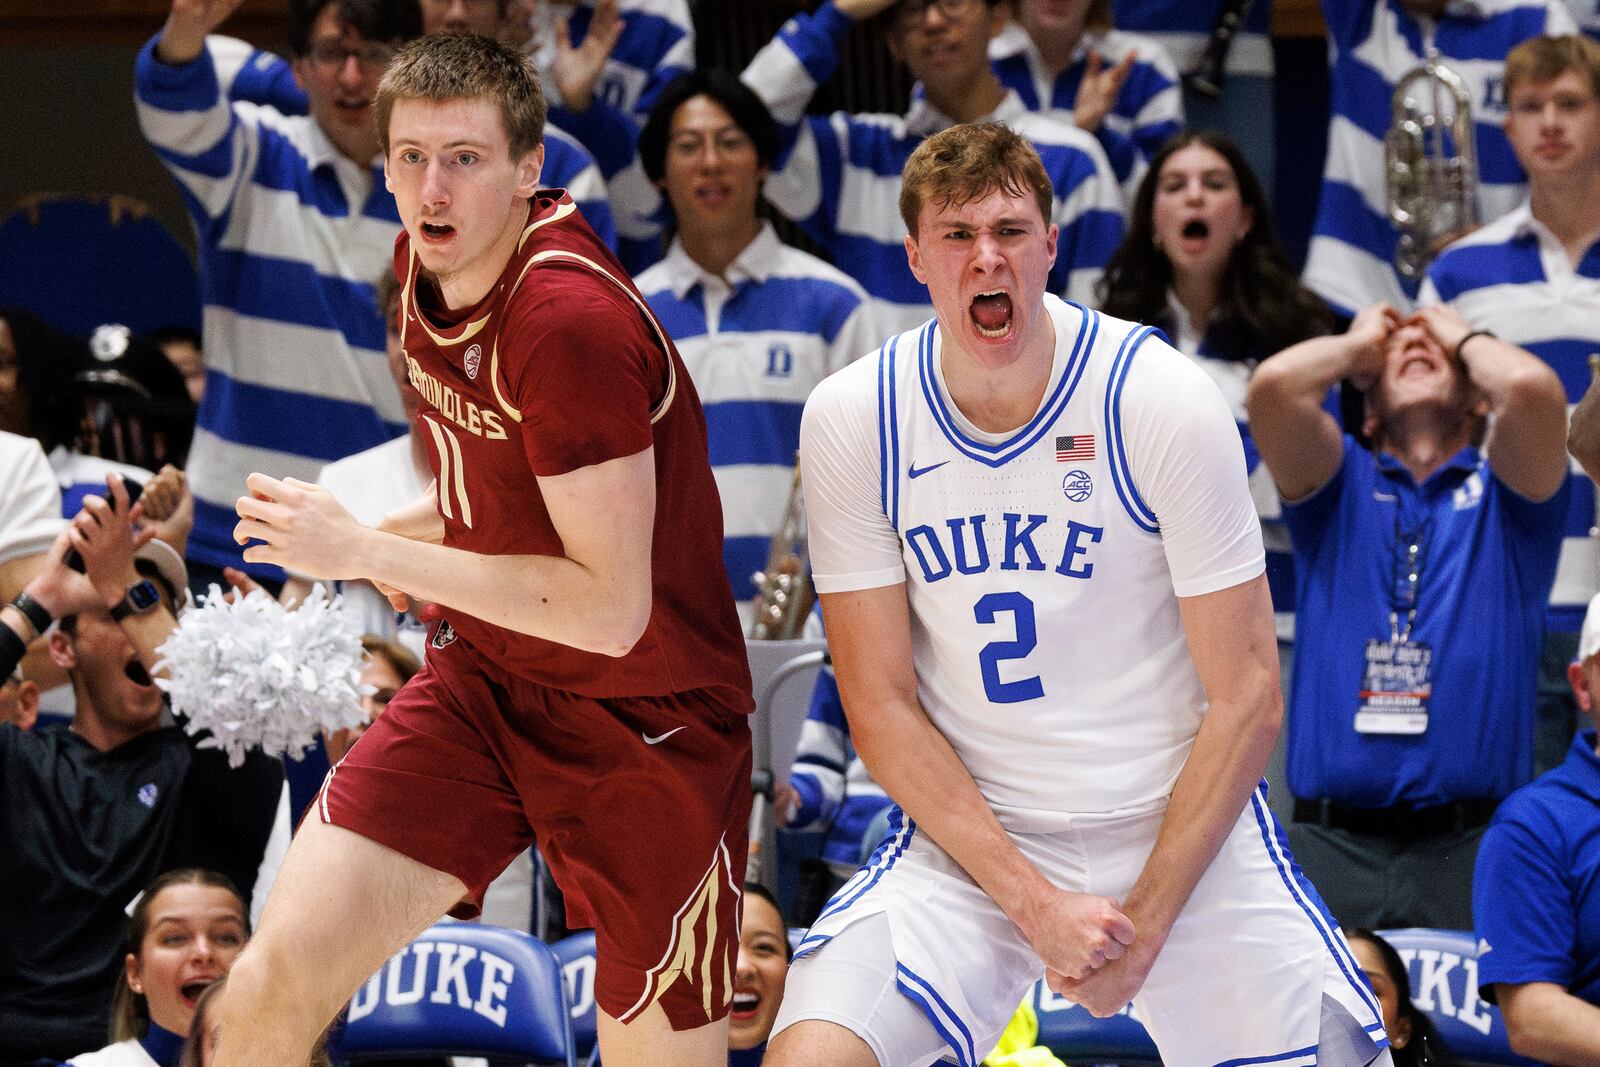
1077,485
148,794
472,359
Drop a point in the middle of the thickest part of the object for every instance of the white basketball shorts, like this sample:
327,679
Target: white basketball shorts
1254,972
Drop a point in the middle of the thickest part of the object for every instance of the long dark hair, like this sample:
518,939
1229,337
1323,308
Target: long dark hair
1426,1048
1262,309
46,361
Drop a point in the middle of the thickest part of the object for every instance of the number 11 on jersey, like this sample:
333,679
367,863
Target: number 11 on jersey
452,474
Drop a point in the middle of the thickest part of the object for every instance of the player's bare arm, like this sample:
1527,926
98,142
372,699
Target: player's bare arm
1234,648
595,598
869,632
1547,1023
1301,443
1525,398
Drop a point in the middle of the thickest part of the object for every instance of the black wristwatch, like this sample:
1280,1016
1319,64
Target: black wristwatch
33,611
140,599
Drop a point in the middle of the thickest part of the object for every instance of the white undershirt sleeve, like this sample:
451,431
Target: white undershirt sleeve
852,544
1188,467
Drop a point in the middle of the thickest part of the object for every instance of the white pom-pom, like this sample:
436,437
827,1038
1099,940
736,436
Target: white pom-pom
259,676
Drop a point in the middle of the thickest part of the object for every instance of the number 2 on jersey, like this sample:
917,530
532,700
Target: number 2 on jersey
452,475
1020,608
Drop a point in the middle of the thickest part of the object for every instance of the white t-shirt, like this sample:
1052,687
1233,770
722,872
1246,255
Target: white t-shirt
127,1053
30,501
1042,566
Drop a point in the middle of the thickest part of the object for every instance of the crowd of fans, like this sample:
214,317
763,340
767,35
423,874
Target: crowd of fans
1431,545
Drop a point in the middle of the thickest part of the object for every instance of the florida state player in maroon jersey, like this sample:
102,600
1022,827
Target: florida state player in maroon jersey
587,685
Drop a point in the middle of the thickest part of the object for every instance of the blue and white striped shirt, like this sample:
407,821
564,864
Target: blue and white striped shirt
755,344
837,794
1514,277
839,176
1148,109
1183,28
1232,377
257,77
656,45
1376,43
292,238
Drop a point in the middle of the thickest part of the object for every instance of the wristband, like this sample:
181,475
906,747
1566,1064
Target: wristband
34,612
12,649
1456,355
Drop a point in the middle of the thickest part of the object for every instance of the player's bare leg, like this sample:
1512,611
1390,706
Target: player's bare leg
650,1041
342,905
818,1043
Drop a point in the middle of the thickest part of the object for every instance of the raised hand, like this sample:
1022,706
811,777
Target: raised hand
103,533
59,589
1097,93
862,9
167,507
577,70
1370,331
1446,325
188,22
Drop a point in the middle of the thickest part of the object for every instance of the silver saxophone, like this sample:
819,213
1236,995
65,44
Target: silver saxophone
1431,162
783,588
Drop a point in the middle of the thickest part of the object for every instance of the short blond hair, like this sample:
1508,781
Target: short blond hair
1543,59
461,66
968,162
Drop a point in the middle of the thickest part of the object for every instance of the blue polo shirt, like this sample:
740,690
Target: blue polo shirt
1536,889
1488,558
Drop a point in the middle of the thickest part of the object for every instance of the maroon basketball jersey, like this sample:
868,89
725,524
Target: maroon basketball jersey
563,366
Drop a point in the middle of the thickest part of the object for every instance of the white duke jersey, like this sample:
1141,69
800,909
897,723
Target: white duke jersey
1042,566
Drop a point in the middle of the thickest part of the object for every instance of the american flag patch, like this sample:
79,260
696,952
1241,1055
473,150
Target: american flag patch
1078,447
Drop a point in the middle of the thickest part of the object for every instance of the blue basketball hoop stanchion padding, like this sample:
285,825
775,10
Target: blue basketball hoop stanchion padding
464,989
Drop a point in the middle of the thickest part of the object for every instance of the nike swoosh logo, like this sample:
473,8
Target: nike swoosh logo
660,737
917,472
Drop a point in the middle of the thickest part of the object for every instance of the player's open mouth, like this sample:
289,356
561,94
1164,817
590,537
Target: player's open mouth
136,673
991,313
437,231
745,1004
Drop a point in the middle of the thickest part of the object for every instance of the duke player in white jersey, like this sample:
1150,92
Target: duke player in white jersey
1043,584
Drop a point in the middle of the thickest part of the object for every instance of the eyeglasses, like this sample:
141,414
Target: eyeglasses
908,13
331,55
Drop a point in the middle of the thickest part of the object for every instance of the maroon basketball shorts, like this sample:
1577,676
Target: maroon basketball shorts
639,804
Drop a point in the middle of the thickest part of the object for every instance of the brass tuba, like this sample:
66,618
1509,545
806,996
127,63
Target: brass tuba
1431,162
783,589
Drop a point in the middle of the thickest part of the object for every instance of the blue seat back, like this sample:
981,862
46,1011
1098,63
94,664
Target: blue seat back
464,989
576,954
80,261
1443,966
1078,1037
